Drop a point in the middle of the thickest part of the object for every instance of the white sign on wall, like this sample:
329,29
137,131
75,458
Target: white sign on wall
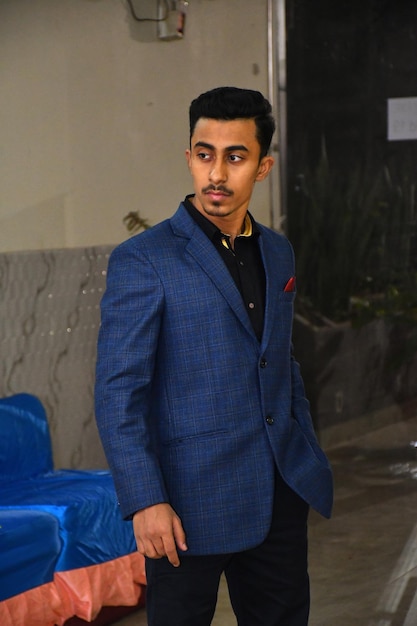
402,119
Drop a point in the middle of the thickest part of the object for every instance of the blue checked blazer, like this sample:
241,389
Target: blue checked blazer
191,408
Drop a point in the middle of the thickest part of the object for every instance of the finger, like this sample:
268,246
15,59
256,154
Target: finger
152,550
140,546
179,534
171,550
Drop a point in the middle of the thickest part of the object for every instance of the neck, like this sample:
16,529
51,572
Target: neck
231,225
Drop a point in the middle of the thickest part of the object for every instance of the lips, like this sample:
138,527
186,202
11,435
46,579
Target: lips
216,195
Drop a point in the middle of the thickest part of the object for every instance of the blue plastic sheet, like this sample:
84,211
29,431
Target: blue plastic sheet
25,445
84,502
29,549
53,520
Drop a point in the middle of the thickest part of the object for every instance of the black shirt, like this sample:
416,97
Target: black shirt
244,263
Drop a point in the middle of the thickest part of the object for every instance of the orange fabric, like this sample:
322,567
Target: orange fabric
79,592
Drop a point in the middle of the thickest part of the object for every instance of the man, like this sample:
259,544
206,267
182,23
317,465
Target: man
200,405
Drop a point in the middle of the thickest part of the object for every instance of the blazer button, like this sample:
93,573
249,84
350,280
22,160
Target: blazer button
269,420
263,363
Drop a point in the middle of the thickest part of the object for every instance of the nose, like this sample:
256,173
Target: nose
218,173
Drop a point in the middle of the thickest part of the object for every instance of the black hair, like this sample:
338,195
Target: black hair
230,103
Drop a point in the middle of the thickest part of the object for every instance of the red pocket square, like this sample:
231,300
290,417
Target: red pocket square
290,286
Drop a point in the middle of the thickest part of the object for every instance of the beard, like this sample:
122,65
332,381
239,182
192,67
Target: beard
214,207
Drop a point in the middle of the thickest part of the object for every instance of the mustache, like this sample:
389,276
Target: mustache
221,188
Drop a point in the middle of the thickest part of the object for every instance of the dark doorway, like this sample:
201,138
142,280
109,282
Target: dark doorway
351,212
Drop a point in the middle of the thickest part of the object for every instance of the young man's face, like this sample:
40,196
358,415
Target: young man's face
224,161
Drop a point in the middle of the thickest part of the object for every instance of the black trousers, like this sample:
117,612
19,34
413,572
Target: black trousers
268,585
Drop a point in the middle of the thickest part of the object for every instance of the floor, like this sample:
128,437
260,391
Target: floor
363,563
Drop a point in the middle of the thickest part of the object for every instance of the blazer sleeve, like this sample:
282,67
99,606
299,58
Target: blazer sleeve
131,311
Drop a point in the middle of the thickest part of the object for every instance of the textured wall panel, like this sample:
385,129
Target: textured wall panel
49,319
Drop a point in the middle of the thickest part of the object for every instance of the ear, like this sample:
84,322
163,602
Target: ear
188,157
264,168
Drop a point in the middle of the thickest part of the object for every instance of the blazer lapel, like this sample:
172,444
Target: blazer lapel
271,265
206,256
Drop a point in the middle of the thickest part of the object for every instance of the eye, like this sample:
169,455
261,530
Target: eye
235,158
203,156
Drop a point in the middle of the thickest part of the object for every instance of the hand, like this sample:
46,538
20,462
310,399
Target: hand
158,532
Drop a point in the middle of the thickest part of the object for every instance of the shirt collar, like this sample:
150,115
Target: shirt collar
211,230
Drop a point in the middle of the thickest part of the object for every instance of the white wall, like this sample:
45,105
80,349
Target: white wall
94,112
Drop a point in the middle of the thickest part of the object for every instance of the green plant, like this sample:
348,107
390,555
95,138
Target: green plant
355,244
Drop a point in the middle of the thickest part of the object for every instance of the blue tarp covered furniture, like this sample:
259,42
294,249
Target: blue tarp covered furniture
51,521
85,507
29,549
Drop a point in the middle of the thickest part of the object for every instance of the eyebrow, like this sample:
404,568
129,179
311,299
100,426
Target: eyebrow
209,146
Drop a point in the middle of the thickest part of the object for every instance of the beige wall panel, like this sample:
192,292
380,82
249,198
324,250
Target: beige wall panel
93,112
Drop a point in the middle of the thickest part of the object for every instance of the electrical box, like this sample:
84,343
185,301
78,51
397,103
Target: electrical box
171,19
